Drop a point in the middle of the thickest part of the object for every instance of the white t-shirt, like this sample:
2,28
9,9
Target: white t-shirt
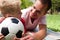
29,25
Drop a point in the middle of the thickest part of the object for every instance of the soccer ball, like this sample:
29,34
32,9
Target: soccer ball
10,27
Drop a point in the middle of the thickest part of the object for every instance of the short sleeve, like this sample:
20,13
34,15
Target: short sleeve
42,20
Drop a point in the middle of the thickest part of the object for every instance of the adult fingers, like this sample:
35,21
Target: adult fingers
1,37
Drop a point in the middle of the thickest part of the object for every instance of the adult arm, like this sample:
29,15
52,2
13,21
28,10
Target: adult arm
41,33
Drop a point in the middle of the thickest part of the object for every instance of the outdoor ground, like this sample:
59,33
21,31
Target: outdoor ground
53,22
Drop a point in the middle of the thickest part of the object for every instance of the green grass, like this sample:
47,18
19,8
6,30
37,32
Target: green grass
53,22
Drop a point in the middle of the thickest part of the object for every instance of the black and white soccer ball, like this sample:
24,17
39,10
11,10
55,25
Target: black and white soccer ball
10,27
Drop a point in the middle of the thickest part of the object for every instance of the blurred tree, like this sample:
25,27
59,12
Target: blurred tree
55,5
25,3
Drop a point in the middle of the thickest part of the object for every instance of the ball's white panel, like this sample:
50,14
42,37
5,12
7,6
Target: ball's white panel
12,27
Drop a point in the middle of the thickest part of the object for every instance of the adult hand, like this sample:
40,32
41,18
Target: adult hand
28,36
15,38
1,19
1,37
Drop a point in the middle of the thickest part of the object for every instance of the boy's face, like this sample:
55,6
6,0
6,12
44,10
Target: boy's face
38,10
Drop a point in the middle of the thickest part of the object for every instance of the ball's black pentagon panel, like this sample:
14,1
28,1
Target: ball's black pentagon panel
11,27
19,34
14,20
5,31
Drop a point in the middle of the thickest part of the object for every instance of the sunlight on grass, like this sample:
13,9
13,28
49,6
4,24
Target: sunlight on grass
53,22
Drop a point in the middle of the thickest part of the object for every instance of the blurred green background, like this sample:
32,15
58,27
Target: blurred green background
53,22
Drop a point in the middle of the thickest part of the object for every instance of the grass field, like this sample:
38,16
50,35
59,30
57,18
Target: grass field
53,22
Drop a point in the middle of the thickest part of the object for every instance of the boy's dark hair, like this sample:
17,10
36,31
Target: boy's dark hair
48,2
